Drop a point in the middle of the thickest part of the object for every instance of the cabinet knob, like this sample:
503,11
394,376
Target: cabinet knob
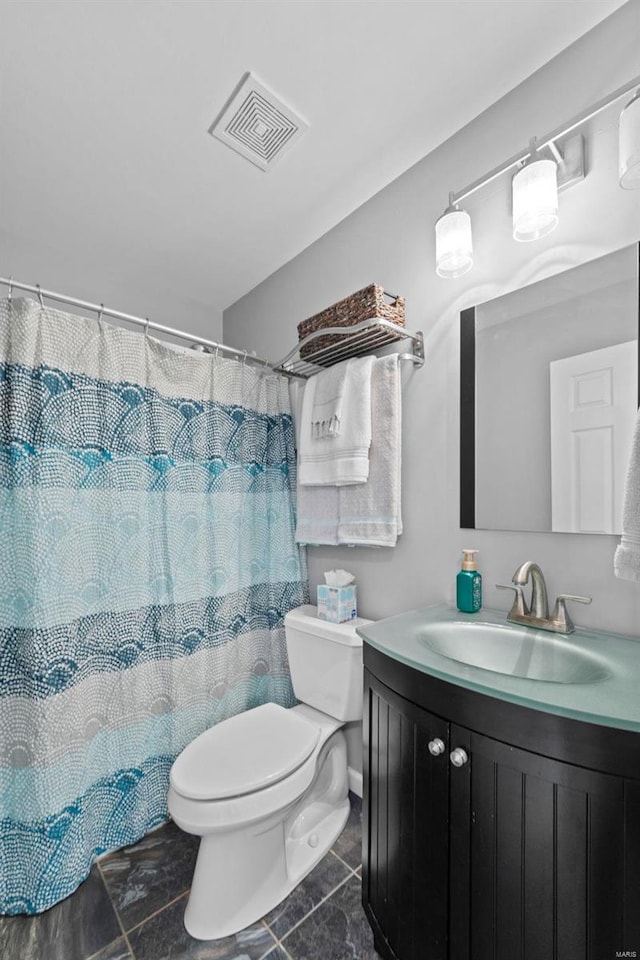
458,757
436,747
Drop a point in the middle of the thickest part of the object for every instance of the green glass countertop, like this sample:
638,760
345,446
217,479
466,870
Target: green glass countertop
589,675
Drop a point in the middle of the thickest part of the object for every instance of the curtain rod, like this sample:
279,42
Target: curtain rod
101,310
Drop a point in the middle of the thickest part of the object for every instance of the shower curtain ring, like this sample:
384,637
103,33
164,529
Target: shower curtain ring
100,312
244,357
40,295
10,289
146,327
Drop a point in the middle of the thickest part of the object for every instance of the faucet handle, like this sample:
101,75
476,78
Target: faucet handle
560,615
519,607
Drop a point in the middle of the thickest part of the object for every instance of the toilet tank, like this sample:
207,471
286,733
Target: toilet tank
325,660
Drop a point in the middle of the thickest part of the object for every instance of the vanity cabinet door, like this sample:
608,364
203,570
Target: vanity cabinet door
547,865
405,826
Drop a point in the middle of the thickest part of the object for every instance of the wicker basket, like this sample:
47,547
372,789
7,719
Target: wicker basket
366,304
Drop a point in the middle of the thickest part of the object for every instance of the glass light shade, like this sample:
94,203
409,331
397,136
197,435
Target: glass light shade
629,144
535,200
454,247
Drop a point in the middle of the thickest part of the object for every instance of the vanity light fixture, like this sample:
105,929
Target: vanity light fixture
549,164
454,245
535,197
629,144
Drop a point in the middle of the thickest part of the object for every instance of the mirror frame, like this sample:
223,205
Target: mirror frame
468,406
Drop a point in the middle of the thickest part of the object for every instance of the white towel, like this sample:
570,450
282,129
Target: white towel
346,458
369,514
296,394
365,514
317,515
327,413
626,562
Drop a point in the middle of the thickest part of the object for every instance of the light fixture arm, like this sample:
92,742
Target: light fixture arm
557,156
548,140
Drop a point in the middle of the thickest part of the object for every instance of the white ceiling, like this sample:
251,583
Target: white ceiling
106,108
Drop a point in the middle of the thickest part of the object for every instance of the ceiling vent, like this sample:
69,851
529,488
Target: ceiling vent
257,124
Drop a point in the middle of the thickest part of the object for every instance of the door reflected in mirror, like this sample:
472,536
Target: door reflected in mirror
549,395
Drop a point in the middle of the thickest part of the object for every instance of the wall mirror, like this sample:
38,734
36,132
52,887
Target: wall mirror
548,398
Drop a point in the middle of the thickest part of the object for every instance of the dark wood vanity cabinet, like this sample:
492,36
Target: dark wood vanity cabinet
516,854
405,828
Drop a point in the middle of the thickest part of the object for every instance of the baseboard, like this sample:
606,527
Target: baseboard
355,781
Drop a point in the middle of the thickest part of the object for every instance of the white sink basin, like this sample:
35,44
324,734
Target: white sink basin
513,650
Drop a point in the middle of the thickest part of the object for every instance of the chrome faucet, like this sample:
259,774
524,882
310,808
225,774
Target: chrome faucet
539,605
537,614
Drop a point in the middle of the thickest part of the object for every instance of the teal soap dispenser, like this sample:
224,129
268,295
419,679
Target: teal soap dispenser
469,584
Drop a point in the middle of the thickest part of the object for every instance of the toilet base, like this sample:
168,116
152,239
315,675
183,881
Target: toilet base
214,909
242,874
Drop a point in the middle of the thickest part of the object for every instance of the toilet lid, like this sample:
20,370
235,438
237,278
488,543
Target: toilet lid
244,753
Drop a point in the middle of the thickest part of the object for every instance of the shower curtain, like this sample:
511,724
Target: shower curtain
147,559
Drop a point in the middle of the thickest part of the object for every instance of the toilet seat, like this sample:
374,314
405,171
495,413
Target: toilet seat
244,754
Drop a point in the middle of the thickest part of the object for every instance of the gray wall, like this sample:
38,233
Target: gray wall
34,258
390,240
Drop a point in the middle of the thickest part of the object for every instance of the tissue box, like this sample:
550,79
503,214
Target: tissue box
337,604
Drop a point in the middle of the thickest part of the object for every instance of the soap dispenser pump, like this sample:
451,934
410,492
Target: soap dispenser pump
469,584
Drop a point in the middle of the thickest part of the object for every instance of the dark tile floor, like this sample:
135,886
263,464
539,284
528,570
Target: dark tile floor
131,908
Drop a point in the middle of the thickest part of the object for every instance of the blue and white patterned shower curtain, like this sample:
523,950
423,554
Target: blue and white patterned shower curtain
147,559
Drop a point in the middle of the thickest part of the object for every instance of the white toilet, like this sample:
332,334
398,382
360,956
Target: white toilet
267,790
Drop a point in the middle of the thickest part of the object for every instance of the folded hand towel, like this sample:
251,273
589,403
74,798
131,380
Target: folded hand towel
346,458
369,513
627,559
326,415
